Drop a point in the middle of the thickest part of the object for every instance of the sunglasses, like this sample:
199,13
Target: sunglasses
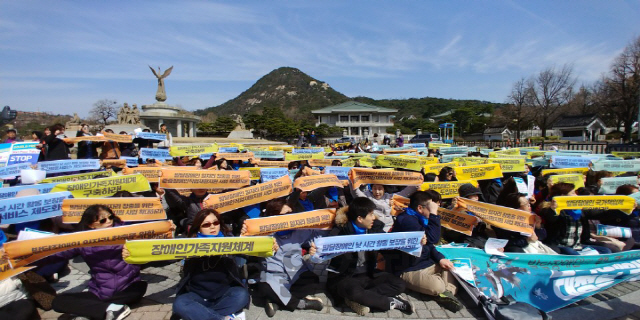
104,220
208,224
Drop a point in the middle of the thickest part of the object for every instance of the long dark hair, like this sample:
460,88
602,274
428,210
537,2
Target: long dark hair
199,218
91,215
219,163
560,189
443,174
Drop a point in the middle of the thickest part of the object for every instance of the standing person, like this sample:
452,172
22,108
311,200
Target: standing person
36,136
169,141
313,139
211,287
144,143
375,140
386,140
86,149
301,139
400,141
12,136
110,149
57,149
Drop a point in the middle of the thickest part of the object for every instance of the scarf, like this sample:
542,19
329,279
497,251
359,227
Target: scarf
357,229
332,194
235,166
307,204
575,214
424,221
219,235
284,233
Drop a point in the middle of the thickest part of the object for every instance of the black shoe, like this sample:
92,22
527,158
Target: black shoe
448,301
119,314
270,308
313,304
400,303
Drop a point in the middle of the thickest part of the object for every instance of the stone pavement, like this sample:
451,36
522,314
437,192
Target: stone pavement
619,302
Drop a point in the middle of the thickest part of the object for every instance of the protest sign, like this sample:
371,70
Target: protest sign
118,163
11,171
413,164
457,221
23,252
626,154
448,150
156,154
127,209
512,151
415,145
224,202
508,164
228,149
255,172
245,156
351,162
552,281
451,156
303,156
120,138
130,161
72,140
105,187
176,178
478,172
320,162
499,216
268,174
151,173
469,161
273,164
192,149
566,171
609,185
623,203
613,231
307,150
359,176
316,219
24,152
310,183
436,145
58,166
329,247
562,162
151,136
537,153
399,150
398,204
32,208
341,172
435,168
281,148
368,162
576,179
617,165
264,154
447,189
143,251
6,193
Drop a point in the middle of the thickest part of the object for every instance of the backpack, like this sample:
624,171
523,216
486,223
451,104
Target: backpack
509,309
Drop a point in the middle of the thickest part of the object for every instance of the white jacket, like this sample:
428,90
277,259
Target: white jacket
11,290
383,207
166,143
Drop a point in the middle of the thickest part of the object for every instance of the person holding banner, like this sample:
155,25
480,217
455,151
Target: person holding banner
518,242
355,278
184,208
378,195
211,286
15,302
86,149
168,142
110,149
447,174
57,149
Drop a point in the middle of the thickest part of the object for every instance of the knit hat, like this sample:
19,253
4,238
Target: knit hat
467,190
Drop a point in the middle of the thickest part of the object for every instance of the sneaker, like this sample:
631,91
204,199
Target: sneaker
400,303
237,316
119,314
270,308
79,318
357,308
448,301
313,303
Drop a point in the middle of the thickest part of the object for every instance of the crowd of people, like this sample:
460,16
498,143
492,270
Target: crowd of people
217,287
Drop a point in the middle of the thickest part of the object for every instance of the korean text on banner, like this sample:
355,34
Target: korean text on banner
361,176
576,179
120,138
24,252
320,162
273,164
468,161
413,164
457,221
329,247
447,189
32,208
320,219
81,176
307,150
143,251
341,172
11,171
255,172
617,165
303,156
609,185
478,172
566,171
563,162
435,168
127,209
105,187
151,136
224,202
58,166
310,183
192,150
268,174
6,193
84,138
623,203
626,154
508,164
265,154
245,156
499,216
202,179
156,154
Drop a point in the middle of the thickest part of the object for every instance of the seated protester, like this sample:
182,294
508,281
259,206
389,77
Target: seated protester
287,279
353,276
381,198
302,201
15,302
447,174
128,149
114,283
222,164
429,273
211,287
144,143
517,241
184,208
621,219
430,177
86,149
565,229
479,234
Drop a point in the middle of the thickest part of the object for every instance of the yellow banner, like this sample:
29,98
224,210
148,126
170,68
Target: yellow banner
367,162
535,154
512,151
499,216
478,172
412,164
317,219
151,173
508,164
343,144
351,162
469,161
273,164
176,178
224,202
192,150
302,156
283,148
625,154
105,187
435,168
127,209
6,271
320,162
622,203
565,171
447,189
24,252
81,176
433,145
255,172
122,138
310,183
576,179
512,156
177,249
359,176
457,221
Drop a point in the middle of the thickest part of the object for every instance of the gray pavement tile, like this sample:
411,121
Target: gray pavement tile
454,315
394,314
424,314
439,314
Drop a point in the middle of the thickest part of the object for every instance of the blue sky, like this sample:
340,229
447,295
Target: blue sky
62,56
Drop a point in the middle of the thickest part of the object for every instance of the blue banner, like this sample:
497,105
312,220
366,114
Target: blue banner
341,172
548,282
563,162
32,208
415,145
24,152
449,157
268,174
156,154
307,150
265,154
329,247
151,136
6,193
9,172
228,149
58,166
131,161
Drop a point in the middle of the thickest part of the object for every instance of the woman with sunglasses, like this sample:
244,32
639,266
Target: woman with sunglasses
114,283
211,287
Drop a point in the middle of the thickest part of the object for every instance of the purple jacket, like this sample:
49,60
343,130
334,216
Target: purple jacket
109,273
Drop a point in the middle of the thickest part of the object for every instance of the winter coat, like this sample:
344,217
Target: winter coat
110,150
182,206
57,149
209,277
383,207
87,149
11,290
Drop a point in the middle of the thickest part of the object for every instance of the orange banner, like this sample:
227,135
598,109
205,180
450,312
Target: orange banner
398,204
127,209
261,192
320,162
457,221
499,216
359,176
108,163
317,219
235,156
124,138
6,271
310,183
24,252
176,178
84,138
152,173
273,164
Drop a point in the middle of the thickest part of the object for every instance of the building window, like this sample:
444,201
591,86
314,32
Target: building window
364,118
355,131
344,118
355,119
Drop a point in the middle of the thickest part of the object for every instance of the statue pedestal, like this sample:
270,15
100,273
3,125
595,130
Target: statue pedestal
71,128
125,127
240,134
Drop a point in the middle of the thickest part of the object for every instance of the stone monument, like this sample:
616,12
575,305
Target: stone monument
128,120
73,124
161,95
240,132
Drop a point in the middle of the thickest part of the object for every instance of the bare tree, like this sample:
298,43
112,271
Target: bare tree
103,110
624,83
583,102
518,110
551,90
